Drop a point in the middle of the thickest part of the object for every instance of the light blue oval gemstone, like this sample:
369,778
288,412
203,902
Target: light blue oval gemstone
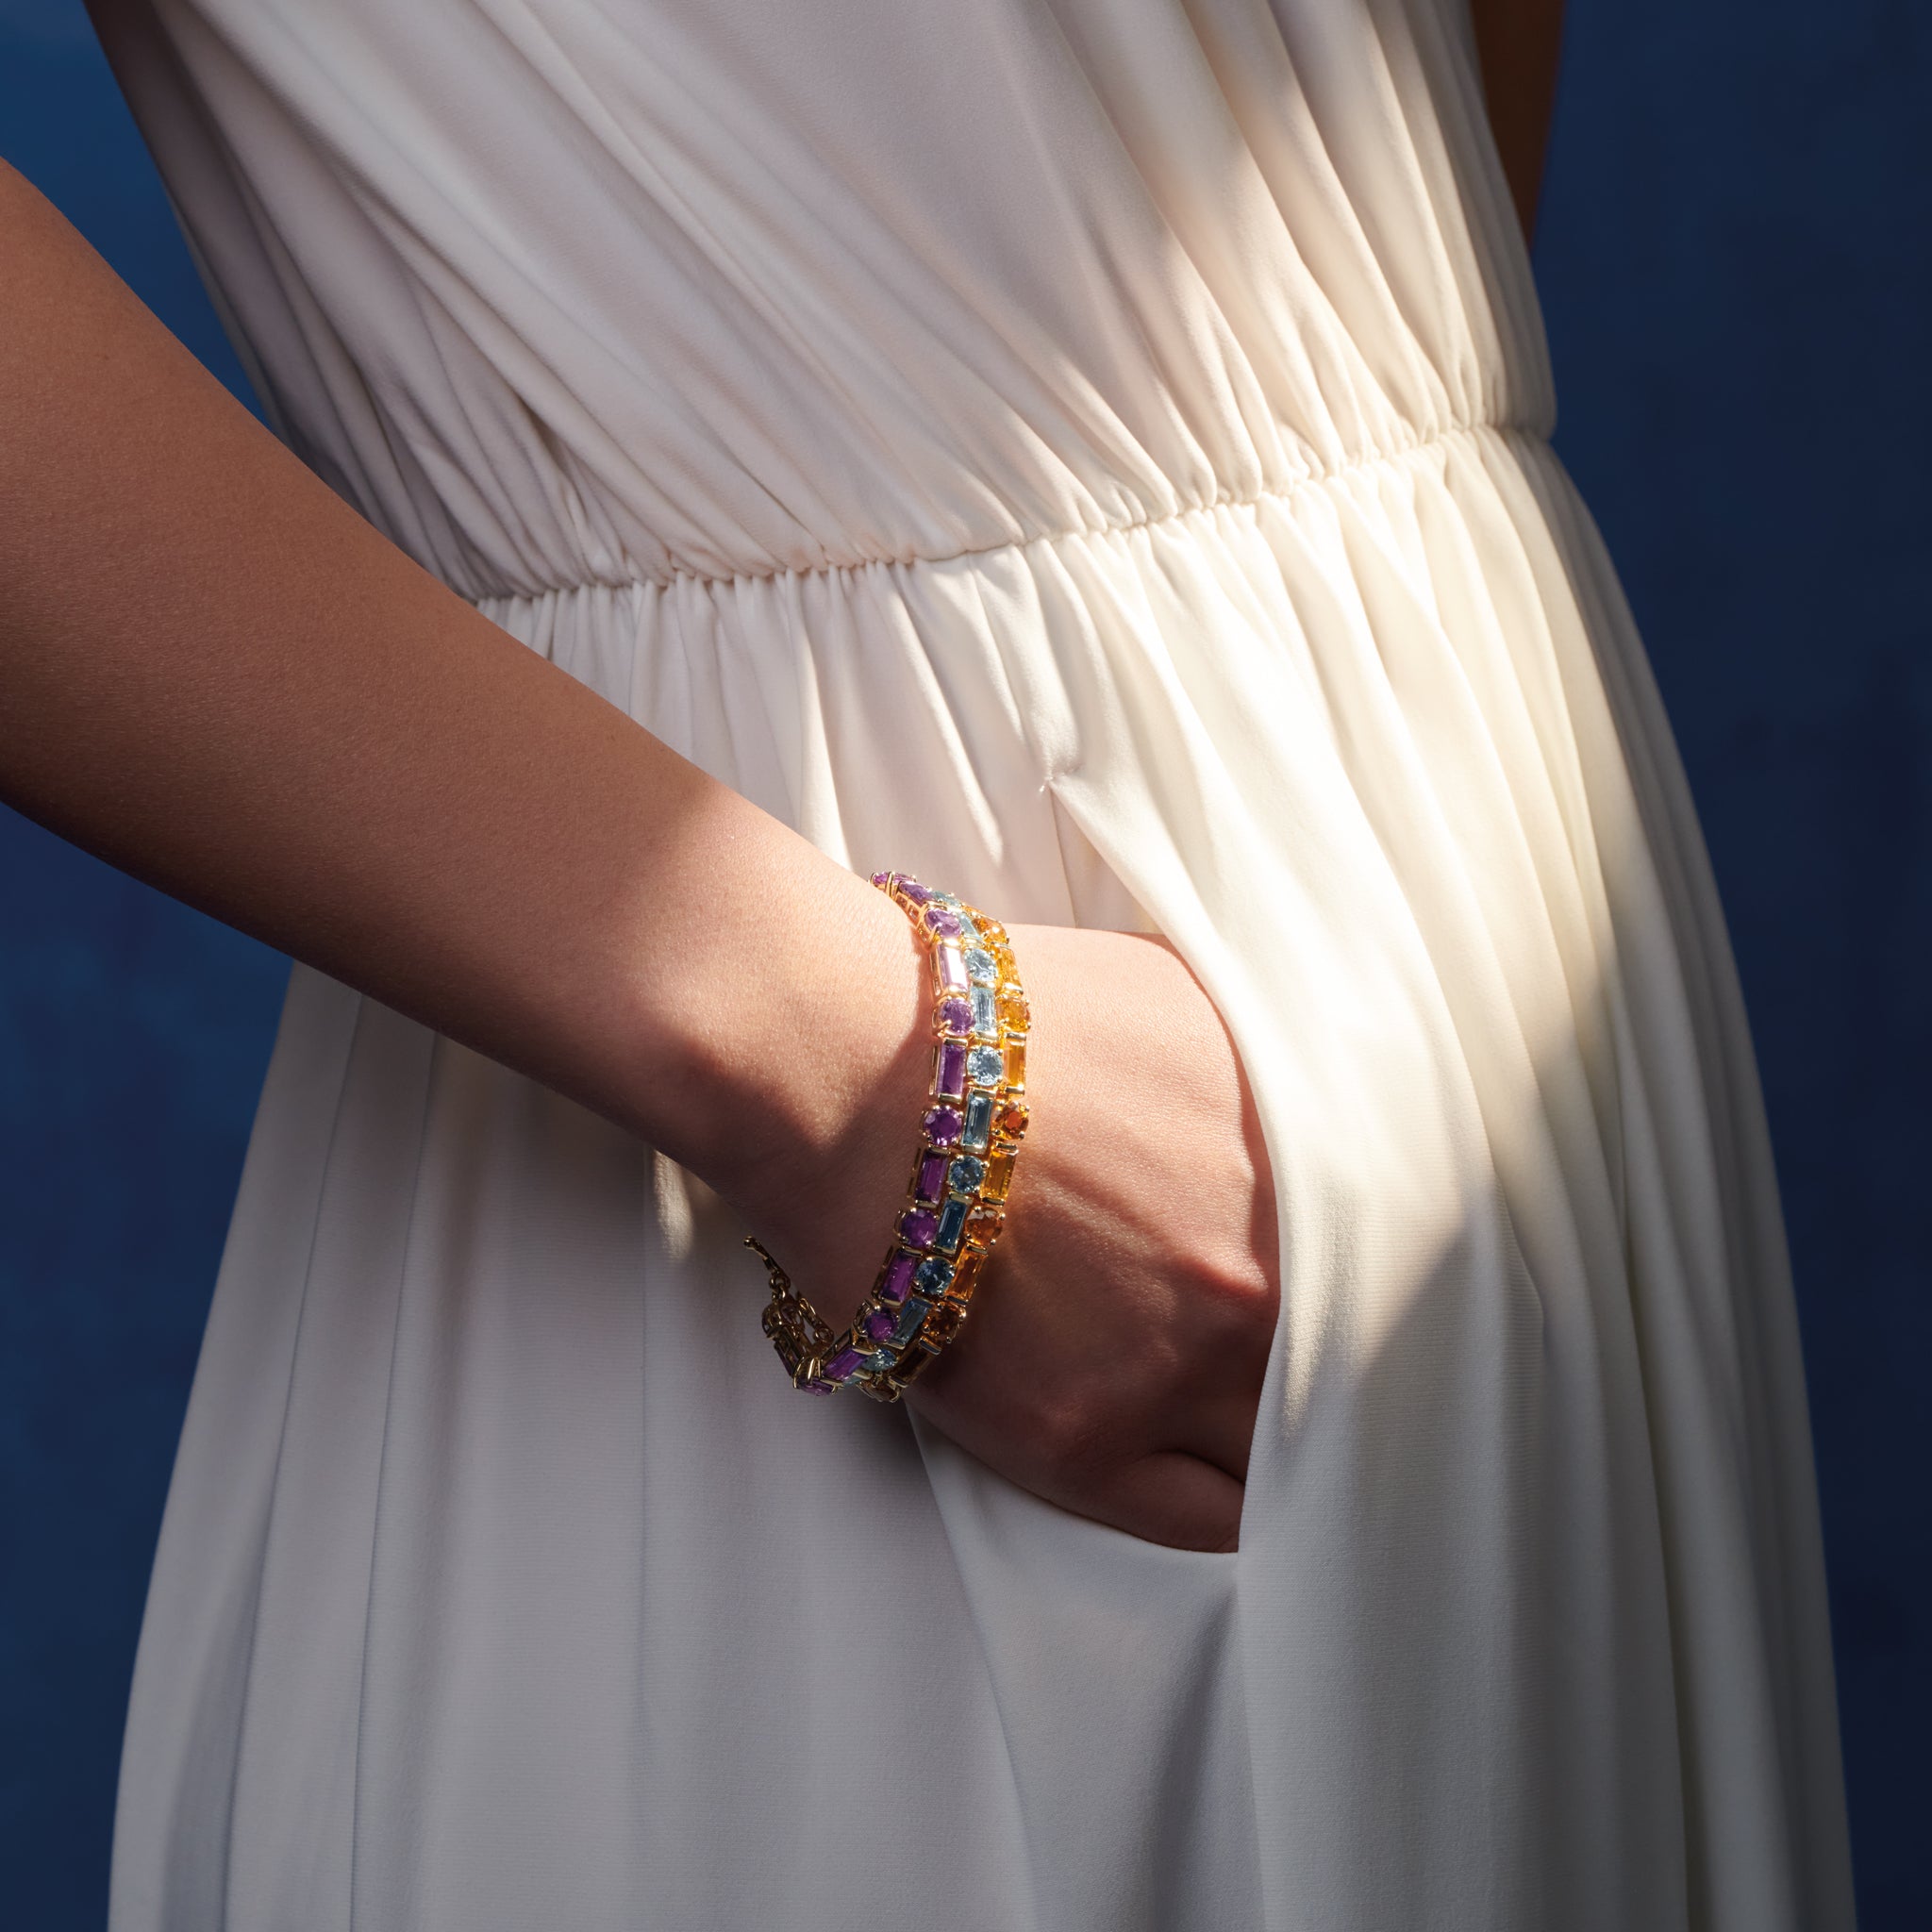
984,1066
980,969
965,1175
934,1277
978,1131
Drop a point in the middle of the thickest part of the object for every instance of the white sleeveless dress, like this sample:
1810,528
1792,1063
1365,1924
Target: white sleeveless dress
1092,453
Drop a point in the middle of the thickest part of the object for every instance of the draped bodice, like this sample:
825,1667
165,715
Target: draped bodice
1090,453
573,294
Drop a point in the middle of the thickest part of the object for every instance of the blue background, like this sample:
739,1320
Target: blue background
1735,258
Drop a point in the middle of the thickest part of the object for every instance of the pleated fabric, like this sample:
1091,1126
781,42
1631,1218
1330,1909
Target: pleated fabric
1092,453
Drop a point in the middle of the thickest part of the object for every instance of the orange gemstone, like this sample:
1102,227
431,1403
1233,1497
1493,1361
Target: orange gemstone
1011,1120
983,1222
999,1175
1016,1065
966,1275
942,1323
1014,1008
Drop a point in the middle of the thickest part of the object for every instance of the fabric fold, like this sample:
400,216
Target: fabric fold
1090,455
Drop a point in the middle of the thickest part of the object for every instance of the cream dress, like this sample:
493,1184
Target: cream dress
1090,453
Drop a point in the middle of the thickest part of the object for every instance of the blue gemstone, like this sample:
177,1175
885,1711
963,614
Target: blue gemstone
910,1316
986,1018
934,1277
980,969
966,1175
978,1128
952,1225
984,1066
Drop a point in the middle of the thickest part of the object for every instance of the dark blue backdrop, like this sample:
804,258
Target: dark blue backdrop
1735,260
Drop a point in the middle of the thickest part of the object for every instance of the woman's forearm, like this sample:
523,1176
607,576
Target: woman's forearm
214,673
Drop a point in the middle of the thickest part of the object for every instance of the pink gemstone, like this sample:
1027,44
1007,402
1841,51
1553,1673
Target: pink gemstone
932,1176
942,1124
898,1277
949,1083
955,1016
949,963
918,1226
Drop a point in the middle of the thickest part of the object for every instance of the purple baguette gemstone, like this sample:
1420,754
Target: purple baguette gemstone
937,920
942,1124
898,1277
951,1080
879,1325
918,1224
956,1015
844,1365
932,1176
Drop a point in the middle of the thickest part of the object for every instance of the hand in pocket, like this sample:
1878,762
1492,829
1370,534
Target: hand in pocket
1114,1361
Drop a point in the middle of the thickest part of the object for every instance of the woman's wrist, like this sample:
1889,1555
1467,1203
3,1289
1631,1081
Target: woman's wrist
786,1054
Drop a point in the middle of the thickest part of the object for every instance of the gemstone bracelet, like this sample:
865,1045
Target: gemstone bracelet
956,1205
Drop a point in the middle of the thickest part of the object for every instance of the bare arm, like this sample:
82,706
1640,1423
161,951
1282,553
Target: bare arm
1519,43
215,674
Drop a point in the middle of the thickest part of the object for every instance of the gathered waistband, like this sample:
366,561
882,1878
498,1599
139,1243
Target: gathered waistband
1339,474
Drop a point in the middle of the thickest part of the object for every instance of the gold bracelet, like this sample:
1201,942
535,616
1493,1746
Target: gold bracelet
956,1205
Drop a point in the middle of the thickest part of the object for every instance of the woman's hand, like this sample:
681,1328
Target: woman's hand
214,673
1114,1359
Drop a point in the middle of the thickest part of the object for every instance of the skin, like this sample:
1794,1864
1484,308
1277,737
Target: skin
1518,45
216,675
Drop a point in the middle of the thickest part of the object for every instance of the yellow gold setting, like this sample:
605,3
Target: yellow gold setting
961,1175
